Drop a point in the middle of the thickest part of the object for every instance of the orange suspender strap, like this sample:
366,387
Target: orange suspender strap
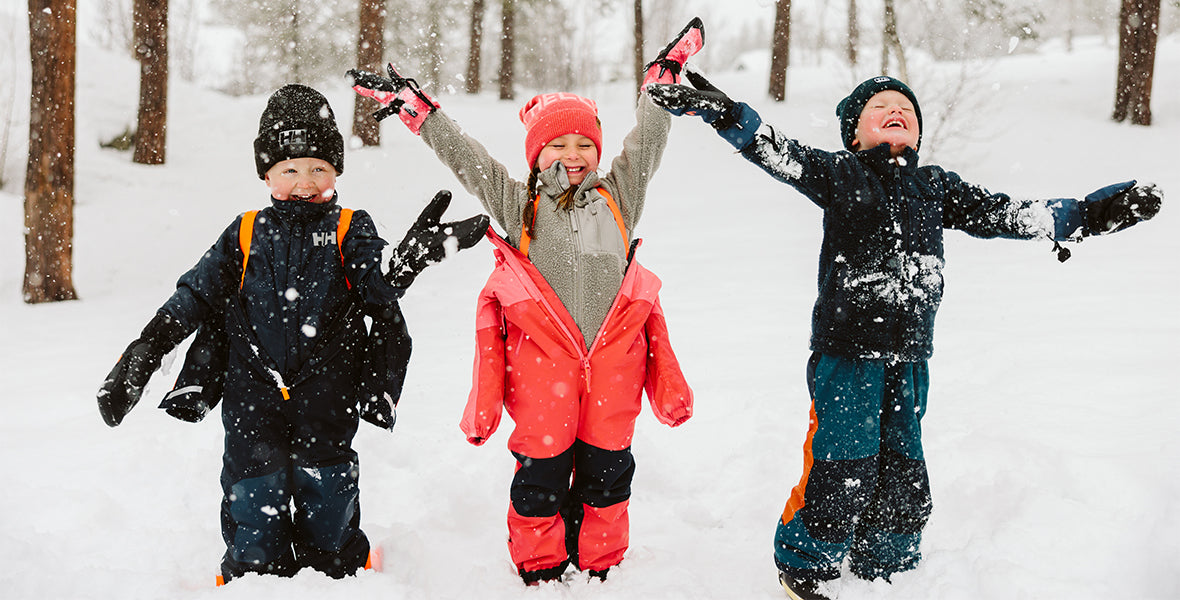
245,234
610,201
341,229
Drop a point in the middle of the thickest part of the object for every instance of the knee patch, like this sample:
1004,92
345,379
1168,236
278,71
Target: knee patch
837,491
602,477
541,484
259,510
326,501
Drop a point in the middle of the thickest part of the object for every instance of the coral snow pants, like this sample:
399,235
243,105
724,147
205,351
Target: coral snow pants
553,522
864,491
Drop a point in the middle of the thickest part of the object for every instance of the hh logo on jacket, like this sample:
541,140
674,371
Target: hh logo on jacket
323,238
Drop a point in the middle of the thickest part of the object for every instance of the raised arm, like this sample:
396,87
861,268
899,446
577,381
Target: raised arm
480,174
785,159
643,148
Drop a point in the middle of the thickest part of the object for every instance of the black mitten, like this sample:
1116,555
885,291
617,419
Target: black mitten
1119,206
703,100
124,385
426,241
201,380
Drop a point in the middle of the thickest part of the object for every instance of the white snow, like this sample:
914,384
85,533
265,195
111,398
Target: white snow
1051,433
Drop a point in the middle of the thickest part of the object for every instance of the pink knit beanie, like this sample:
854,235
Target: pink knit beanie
550,116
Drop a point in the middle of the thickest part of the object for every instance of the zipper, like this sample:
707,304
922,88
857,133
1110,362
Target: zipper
576,234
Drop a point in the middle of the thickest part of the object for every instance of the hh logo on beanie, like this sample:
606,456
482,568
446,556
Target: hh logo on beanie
298,123
293,141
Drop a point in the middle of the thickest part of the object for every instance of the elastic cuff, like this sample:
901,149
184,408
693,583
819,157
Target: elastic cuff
742,131
1068,221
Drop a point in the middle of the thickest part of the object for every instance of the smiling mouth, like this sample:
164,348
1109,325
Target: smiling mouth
305,197
892,123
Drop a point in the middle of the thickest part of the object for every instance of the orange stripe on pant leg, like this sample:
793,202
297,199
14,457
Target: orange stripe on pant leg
797,494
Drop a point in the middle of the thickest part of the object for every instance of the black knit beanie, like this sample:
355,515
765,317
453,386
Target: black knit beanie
849,109
298,123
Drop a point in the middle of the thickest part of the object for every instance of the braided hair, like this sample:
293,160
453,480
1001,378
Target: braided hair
564,201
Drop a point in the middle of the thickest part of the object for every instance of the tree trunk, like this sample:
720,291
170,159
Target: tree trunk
151,48
49,177
474,50
780,50
1138,33
891,44
638,36
370,51
434,35
507,48
853,33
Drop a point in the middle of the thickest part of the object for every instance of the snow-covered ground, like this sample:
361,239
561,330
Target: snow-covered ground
1051,433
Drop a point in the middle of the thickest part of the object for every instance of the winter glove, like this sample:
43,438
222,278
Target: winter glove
426,241
386,357
124,385
670,61
703,100
734,121
1119,206
201,381
397,94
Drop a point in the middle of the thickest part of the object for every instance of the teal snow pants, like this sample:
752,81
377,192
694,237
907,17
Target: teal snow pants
864,493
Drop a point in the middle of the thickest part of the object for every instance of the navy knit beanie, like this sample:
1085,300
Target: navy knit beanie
298,123
849,109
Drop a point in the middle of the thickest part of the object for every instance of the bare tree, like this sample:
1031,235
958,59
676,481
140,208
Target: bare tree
370,51
474,52
638,34
853,32
1138,33
780,47
507,48
49,177
151,48
891,44
435,15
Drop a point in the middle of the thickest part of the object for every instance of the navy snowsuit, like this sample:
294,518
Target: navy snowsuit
296,347
865,491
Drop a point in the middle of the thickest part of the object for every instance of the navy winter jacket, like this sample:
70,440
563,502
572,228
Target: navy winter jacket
880,265
295,319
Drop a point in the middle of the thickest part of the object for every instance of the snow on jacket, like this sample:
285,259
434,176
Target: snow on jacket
531,358
881,261
579,251
291,315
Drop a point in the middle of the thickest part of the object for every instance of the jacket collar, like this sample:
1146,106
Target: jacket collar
302,213
554,181
881,161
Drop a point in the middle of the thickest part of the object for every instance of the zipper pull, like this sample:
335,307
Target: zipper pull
586,374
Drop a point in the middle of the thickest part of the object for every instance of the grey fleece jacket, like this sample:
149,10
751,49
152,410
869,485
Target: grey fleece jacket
579,251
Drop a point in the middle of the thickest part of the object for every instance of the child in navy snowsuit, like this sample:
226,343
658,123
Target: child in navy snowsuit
864,492
292,309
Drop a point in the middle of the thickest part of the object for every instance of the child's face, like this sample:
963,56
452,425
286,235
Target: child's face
577,152
887,118
307,179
